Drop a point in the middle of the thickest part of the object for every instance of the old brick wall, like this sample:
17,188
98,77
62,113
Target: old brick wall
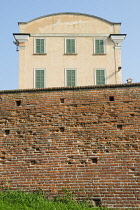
83,139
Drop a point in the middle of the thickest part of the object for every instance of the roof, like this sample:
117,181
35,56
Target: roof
68,13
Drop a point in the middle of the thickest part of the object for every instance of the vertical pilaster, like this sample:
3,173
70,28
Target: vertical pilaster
20,42
117,39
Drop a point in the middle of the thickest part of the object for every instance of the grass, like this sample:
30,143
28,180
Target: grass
18,200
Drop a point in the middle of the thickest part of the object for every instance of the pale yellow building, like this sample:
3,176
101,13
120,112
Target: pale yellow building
69,49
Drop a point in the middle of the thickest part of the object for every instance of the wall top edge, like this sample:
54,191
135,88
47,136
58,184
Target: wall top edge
125,85
69,13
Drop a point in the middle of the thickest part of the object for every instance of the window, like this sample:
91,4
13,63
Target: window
100,77
39,78
40,46
99,46
70,77
70,47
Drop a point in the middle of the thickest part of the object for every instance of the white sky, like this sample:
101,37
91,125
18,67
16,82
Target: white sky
13,11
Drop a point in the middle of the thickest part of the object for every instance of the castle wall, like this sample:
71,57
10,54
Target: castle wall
83,139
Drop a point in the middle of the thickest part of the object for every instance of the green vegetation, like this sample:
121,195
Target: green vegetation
18,200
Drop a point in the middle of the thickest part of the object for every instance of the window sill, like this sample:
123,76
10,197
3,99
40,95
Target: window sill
99,54
70,54
39,53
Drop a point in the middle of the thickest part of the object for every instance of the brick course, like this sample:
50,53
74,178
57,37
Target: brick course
84,139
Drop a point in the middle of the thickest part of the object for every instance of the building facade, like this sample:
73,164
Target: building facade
69,49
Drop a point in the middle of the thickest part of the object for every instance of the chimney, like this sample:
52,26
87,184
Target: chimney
129,80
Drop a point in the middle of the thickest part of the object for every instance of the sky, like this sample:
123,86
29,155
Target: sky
13,11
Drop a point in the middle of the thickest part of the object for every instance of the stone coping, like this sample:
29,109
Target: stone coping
113,86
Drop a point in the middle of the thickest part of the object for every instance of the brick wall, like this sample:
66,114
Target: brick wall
84,139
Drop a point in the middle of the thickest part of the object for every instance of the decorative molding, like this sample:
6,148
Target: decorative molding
118,47
68,35
21,38
117,39
21,47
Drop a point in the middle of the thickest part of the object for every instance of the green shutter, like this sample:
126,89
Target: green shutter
70,77
99,46
100,77
42,46
39,78
70,46
67,46
40,43
37,45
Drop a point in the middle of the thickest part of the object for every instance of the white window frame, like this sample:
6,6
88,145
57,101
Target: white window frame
35,45
34,72
104,40
66,76
66,46
95,75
